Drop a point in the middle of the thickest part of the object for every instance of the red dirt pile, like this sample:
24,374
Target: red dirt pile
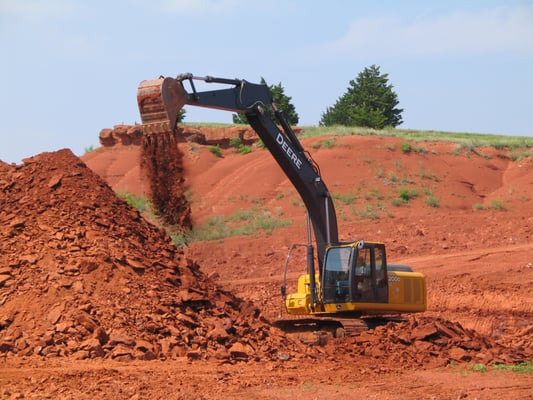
435,342
82,275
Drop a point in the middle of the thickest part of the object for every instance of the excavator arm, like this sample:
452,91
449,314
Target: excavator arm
161,100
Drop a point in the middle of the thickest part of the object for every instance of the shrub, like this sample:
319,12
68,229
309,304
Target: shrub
406,147
497,205
244,149
215,150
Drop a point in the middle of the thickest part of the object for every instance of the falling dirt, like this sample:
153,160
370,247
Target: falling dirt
161,162
96,302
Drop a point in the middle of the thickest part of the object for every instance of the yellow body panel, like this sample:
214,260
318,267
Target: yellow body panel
406,294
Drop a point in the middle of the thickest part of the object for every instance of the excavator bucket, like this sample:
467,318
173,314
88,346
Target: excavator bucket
160,101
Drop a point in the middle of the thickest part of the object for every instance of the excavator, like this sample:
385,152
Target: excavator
346,279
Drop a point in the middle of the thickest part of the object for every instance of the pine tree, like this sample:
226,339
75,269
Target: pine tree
369,101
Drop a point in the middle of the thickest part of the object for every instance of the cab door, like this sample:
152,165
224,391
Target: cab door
336,287
369,275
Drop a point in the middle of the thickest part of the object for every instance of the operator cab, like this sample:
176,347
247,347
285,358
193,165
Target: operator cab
355,272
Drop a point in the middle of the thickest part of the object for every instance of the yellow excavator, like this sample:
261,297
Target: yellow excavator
345,279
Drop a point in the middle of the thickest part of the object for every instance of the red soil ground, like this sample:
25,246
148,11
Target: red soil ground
95,302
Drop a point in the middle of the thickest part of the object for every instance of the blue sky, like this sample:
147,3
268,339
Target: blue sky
70,68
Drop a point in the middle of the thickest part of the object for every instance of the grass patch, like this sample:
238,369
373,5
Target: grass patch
242,222
324,144
521,368
369,212
479,368
390,146
424,174
466,140
432,201
497,204
373,194
141,203
244,149
405,196
344,198
88,149
215,150
240,147
406,148
521,154
478,206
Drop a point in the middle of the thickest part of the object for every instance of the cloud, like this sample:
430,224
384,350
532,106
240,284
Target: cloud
488,31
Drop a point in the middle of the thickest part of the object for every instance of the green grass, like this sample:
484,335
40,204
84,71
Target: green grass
242,222
216,150
464,139
240,147
479,368
405,195
406,148
324,144
432,201
141,203
519,154
497,204
369,212
244,149
344,198
235,142
521,368
423,174
88,149
467,140
478,206
373,194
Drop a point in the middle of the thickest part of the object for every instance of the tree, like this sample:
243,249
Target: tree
369,101
281,101
181,115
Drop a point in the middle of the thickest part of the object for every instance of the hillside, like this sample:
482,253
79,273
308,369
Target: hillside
86,278
473,204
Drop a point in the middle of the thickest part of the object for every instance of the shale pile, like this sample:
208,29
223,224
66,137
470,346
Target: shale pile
83,275
435,342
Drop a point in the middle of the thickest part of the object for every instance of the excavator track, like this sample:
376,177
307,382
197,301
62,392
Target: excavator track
317,330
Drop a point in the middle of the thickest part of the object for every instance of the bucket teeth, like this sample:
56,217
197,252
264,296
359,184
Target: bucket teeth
154,116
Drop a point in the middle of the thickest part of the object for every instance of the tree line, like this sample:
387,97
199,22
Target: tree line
369,101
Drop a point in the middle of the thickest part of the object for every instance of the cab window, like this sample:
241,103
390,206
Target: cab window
336,274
